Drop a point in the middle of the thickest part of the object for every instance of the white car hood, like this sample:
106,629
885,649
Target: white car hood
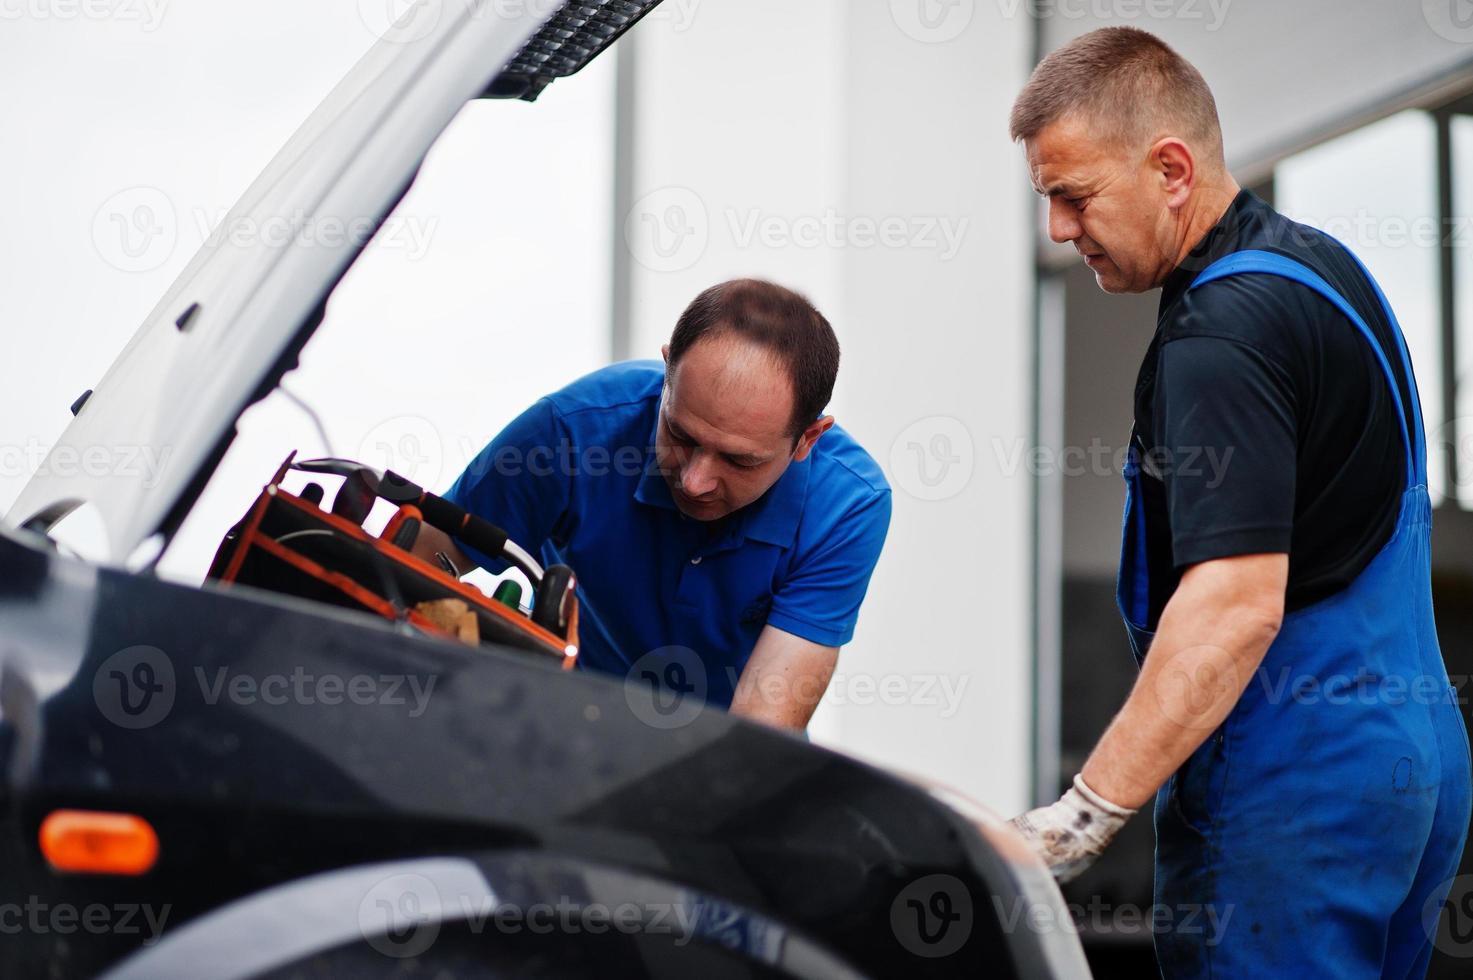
233,322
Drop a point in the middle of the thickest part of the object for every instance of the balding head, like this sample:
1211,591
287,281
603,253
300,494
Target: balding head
750,367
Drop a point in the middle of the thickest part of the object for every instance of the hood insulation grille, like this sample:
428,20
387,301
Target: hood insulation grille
575,35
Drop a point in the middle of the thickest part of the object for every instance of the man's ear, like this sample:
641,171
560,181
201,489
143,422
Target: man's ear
810,436
1173,160
665,353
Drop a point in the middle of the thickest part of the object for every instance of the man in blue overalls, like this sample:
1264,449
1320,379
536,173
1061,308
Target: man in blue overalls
723,529
1292,718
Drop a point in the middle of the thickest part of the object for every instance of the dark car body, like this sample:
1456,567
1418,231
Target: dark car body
333,796
760,851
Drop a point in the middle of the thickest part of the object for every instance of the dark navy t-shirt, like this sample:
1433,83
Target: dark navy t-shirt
575,478
1264,416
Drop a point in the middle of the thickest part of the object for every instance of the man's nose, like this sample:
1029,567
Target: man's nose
1063,221
698,478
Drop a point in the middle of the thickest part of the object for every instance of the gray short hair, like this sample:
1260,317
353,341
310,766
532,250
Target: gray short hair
1125,82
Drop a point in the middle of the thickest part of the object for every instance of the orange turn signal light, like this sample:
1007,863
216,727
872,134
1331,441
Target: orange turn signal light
93,842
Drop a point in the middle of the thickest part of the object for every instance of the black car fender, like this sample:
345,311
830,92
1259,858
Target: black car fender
398,909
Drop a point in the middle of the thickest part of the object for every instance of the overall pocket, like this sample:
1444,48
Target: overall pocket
1197,786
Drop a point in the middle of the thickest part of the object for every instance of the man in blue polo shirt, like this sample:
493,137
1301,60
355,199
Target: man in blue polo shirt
722,528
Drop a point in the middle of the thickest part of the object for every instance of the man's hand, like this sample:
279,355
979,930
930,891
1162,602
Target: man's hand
1072,833
784,679
1212,637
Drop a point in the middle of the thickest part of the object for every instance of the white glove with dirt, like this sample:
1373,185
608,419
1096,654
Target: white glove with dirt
1072,833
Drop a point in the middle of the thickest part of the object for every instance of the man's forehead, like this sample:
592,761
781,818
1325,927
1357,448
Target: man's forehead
734,436
1060,157
728,397
1051,176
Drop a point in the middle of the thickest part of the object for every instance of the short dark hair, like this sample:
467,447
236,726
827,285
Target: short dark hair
778,320
1125,82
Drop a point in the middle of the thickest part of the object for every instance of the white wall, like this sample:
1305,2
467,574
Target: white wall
830,123
737,119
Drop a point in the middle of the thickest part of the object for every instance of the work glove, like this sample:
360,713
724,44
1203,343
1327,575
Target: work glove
1070,834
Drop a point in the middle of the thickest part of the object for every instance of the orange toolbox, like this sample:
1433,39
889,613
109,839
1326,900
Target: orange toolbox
288,543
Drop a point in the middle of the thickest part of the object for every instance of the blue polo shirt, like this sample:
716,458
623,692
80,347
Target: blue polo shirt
575,478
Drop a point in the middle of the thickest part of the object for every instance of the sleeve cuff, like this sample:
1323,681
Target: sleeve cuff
1230,544
822,635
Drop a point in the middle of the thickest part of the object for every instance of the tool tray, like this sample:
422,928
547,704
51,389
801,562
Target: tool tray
289,545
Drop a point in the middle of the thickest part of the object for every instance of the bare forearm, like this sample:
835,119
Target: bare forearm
777,699
784,714
784,680
778,712
1212,636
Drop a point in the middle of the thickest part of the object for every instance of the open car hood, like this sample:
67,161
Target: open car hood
235,320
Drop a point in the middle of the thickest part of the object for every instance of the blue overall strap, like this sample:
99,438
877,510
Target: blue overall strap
1271,263
1406,354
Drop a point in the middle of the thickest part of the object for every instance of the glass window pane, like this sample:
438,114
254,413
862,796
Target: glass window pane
1376,190
1462,231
